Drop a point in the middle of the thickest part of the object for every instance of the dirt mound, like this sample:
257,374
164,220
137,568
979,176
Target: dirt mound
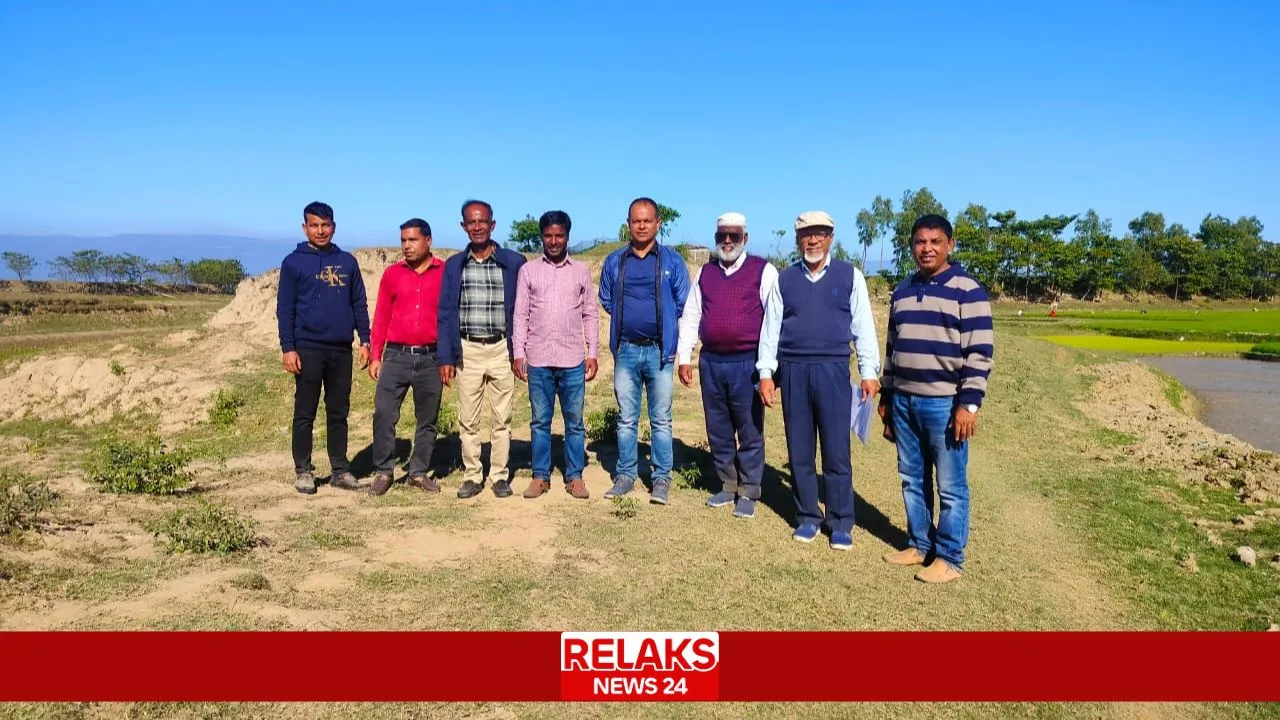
252,314
1130,399
93,389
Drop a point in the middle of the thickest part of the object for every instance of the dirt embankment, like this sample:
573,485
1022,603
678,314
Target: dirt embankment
1129,398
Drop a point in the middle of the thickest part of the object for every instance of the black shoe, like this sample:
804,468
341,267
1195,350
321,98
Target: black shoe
502,488
470,489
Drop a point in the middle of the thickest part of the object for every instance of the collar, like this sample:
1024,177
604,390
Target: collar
735,265
939,279
652,252
432,262
568,260
492,256
825,264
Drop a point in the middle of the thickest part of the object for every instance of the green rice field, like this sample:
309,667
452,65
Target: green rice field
1246,325
1148,346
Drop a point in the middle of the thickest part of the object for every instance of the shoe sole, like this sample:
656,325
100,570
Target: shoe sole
657,501
743,515
841,547
305,491
803,539
719,505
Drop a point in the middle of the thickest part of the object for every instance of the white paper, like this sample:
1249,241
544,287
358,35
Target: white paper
860,414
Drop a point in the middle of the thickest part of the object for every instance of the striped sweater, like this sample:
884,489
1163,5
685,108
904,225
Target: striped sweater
941,338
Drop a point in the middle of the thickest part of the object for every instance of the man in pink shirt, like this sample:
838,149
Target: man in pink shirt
404,357
555,346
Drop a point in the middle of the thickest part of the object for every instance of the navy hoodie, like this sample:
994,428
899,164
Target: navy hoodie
322,300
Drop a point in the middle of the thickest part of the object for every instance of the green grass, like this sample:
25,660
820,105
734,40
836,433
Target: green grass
1148,346
1265,351
1209,324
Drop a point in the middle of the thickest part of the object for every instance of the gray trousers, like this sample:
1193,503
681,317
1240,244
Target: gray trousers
402,371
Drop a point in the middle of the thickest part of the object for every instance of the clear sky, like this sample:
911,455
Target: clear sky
210,116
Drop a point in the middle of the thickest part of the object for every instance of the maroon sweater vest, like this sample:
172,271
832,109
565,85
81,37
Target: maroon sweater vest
731,307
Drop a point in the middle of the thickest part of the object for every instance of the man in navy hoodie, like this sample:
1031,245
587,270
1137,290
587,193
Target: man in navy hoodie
320,305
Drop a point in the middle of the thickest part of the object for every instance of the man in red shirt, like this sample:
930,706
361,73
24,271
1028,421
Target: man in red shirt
404,356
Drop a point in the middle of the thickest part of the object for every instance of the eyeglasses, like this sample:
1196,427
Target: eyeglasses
722,236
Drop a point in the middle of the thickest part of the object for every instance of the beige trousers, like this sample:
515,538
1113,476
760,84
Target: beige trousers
485,374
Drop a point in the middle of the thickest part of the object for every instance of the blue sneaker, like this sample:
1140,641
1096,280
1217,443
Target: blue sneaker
720,499
805,533
841,541
621,486
658,495
746,508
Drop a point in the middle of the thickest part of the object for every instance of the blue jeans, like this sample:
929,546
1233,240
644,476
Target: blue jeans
928,450
545,385
637,368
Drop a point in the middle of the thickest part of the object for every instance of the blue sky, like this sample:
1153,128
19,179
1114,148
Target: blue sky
230,116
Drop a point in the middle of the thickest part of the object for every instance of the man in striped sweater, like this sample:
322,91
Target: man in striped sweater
937,360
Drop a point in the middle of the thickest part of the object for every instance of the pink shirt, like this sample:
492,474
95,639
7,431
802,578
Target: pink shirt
556,320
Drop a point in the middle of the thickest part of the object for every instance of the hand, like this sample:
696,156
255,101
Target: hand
965,424
364,356
292,362
686,374
519,367
446,375
767,391
883,411
869,389
375,369
593,366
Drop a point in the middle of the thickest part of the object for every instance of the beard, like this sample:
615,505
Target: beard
733,253
814,257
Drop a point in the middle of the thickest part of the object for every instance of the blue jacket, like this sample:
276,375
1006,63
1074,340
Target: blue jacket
673,285
321,301
448,330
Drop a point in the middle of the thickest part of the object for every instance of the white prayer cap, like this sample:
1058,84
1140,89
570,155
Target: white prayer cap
732,219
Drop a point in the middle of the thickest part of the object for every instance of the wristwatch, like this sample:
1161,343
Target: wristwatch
971,408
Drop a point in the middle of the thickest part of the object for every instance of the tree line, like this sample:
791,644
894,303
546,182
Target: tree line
1038,258
94,266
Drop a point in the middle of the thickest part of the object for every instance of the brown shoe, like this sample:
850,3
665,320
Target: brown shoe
910,556
381,484
422,482
937,572
577,489
536,488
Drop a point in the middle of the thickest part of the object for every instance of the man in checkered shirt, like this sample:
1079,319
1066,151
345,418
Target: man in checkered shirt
477,301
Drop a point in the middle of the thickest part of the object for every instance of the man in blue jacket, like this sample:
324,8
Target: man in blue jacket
643,287
321,303
477,305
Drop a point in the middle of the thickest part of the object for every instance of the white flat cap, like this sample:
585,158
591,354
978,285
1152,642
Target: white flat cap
814,218
732,219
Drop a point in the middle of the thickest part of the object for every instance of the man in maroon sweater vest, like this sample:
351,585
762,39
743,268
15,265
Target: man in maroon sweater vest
728,303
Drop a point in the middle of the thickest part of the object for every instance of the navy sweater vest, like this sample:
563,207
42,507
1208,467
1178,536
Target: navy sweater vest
816,316
731,307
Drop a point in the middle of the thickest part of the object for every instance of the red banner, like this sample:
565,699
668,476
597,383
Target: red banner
626,666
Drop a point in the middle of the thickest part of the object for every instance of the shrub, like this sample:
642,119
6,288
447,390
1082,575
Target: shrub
447,422
22,499
121,466
602,425
116,368
226,407
626,507
687,477
251,581
205,528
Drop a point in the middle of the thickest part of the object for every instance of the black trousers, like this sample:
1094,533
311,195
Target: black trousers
327,371
402,371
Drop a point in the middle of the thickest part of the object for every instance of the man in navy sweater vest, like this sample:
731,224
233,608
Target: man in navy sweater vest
726,310
320,304
825,306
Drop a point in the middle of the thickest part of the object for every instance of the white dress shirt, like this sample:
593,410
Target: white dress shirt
862,326
692,317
